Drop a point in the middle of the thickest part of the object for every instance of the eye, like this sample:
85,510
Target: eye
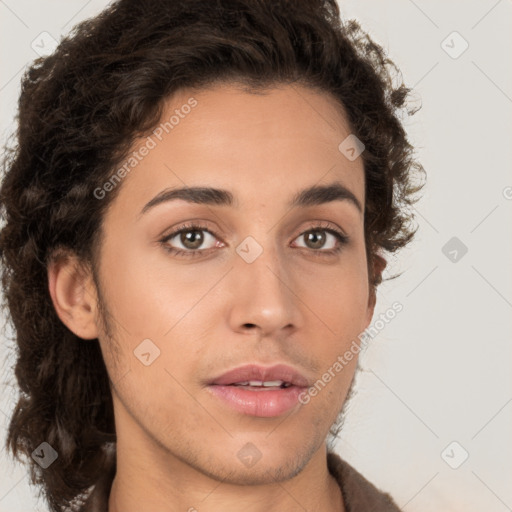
189,240
191,237
317,237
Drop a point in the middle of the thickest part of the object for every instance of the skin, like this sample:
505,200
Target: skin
177,443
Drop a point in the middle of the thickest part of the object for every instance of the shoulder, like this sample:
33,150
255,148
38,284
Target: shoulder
359,494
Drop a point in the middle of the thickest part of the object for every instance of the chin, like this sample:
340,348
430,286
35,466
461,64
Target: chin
260,474
252,466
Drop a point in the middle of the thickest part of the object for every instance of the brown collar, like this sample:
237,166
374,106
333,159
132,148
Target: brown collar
359,495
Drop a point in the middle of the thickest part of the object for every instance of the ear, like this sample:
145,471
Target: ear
73,295
379,264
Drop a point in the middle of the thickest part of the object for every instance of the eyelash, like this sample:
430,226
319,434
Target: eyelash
191,253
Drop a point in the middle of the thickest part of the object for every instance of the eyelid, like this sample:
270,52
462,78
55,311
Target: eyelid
191,225
318,225
188,226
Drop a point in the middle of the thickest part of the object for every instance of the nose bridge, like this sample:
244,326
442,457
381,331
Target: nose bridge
262,294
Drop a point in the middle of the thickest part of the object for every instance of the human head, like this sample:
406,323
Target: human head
81,111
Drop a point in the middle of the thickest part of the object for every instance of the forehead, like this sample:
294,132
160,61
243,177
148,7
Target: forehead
288,115
263,147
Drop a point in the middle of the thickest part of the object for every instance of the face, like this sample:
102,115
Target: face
199,285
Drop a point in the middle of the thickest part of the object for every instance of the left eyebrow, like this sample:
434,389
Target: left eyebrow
320,194
315,195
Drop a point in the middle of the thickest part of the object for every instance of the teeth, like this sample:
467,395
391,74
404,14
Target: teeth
270,383
259,383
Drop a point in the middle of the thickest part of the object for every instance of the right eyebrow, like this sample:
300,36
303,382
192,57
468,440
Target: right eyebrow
200,195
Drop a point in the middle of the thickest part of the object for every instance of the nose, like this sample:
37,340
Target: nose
262,295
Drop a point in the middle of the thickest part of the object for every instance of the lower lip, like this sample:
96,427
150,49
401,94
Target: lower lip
265,403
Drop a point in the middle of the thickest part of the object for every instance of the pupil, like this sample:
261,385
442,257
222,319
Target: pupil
318,238
192,239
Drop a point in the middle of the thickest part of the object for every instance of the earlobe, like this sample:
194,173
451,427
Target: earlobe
379,264
73,295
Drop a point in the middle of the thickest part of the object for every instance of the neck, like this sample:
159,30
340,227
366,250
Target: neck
150,478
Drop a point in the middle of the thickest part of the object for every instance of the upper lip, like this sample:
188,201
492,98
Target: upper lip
262,373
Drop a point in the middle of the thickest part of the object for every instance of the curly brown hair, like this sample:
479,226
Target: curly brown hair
80,110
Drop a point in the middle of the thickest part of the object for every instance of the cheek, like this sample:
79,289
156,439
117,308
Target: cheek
148,294
346,301
338,293
153,296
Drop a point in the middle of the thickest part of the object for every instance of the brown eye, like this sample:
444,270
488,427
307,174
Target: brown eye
192,239
189,240
317,238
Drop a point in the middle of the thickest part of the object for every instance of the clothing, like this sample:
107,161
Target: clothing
359,495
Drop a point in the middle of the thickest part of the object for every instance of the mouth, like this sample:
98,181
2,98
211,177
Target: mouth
259,391
258,385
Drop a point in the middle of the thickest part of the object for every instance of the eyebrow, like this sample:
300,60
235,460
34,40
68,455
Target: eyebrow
312,196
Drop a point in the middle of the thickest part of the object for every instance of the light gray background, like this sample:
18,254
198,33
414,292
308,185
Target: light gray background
441,370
